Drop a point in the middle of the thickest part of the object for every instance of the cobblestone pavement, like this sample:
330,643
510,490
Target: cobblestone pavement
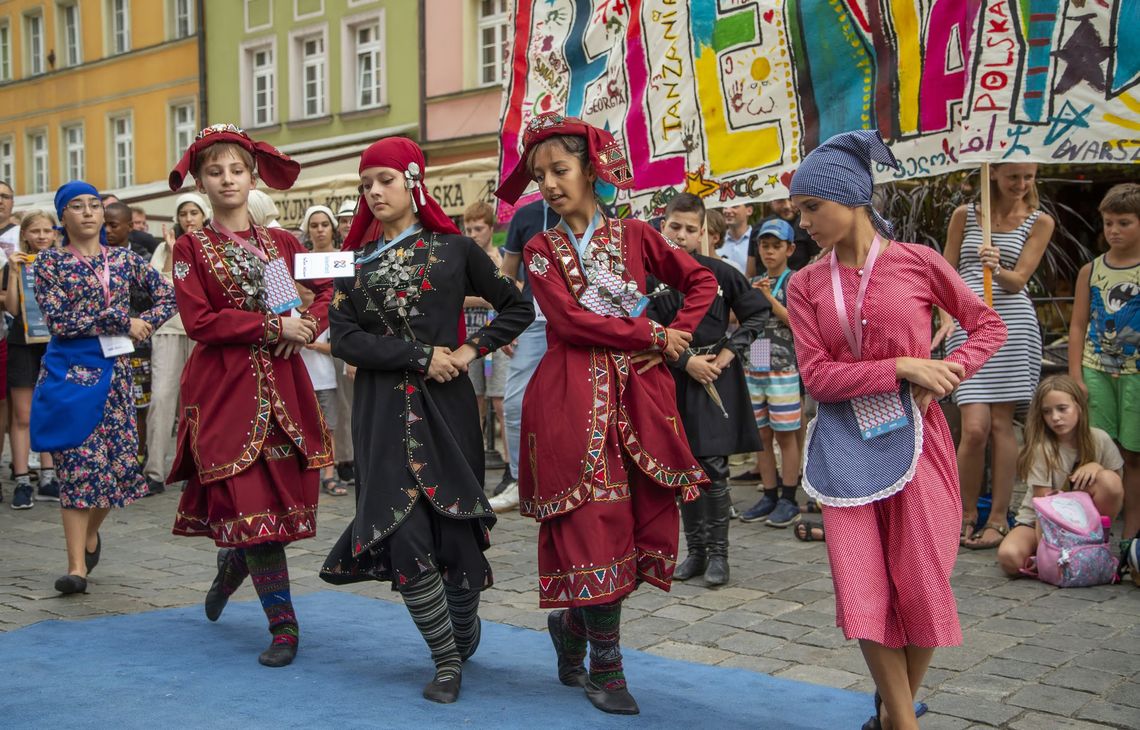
1034,657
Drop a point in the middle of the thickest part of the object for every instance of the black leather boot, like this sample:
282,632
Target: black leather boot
693,519
717,502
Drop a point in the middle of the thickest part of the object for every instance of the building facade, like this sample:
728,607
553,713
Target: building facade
101,90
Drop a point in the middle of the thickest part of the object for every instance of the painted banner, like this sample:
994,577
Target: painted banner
723,98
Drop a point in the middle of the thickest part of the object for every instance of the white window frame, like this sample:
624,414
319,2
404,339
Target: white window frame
8,160
500,23
249,76
5,50
118,39
182,131
35,57
39,161
173,8
350,83
74,149
122,147
71,55
299,70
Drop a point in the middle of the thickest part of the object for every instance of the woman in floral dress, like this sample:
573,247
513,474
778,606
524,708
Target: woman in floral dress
83,410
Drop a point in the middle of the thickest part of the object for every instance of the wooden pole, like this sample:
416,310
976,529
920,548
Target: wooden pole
987,237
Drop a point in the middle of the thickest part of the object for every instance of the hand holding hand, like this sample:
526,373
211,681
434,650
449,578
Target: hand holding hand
287,349
939,376
140,329
702,369
298,329
441,368
676,343
463,356
724,357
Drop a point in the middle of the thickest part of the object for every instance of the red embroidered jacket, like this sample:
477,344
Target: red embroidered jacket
232,384
586,403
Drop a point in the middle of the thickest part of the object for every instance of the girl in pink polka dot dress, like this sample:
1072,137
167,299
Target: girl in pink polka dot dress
863,346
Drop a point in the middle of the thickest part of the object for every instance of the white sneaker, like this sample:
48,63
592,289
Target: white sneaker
508,499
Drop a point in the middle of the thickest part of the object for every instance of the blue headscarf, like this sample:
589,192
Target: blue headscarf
840,170
68,192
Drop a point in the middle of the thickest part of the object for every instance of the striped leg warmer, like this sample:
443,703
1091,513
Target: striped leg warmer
270,575
427,603
463,606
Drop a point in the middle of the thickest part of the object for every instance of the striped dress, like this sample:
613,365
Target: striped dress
1011,375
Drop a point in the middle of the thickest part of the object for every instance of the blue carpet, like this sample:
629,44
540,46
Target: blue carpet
362,664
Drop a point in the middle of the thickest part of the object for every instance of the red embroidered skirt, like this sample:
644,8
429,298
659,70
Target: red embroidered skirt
274,500
600,551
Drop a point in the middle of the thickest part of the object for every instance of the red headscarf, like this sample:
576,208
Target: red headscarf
605,153
399,153
274,167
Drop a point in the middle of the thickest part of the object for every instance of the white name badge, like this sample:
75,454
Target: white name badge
330,265
115,345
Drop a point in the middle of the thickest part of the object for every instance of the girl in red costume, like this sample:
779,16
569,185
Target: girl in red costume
251,440
603,451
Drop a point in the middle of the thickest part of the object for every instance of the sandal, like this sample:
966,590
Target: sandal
967,532
807,531
332,487
975,541
811,508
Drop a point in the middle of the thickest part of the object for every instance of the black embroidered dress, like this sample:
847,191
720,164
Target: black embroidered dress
419,448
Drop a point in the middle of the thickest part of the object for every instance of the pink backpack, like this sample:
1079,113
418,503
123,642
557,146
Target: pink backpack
1073,550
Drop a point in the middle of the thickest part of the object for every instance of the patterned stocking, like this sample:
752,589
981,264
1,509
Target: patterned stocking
427,603
574,635
603,629
270,575
463,606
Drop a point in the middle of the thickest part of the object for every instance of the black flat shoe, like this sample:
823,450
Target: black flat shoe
467,652
68,584
215,599
91,559
875,722
569,674
278,655
615,702
443,691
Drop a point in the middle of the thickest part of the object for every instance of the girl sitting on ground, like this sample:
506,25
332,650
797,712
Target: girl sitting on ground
1061,453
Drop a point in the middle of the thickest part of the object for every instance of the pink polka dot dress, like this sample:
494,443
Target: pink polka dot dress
891,559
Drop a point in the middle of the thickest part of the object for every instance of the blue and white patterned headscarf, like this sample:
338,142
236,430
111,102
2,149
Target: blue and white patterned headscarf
840,170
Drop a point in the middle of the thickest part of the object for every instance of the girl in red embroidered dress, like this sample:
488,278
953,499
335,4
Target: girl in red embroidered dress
251,439
603,450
